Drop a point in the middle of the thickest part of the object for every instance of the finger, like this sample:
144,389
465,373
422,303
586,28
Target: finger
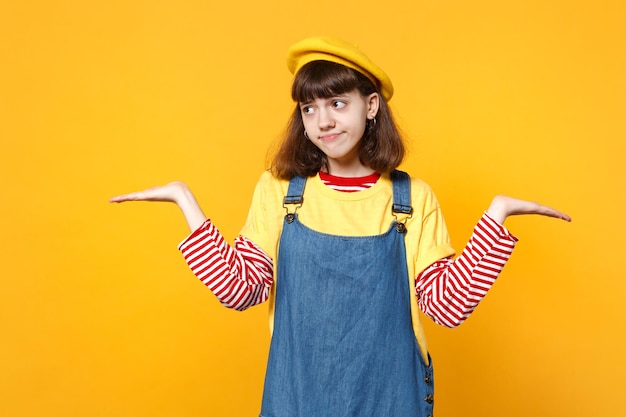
549,211
564,216
125,197
117,199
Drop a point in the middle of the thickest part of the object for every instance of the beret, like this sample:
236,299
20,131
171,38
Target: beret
340,52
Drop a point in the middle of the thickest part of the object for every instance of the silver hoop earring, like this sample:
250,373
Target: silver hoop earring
371,123
306,135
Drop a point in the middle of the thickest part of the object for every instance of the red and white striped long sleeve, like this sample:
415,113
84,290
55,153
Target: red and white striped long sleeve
448,291
240,277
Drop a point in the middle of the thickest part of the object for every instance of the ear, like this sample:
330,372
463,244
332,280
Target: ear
373,103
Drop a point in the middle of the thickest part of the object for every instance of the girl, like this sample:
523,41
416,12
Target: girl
346,248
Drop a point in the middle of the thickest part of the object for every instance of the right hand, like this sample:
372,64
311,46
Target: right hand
172,192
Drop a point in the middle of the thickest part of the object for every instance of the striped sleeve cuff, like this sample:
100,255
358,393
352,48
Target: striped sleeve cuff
238,276
448,291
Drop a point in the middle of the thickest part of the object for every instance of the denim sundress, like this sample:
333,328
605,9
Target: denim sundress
343,344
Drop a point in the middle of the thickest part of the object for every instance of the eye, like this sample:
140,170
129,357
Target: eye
338,104
306,109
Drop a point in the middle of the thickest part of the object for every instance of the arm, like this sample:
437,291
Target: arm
448,291
240,277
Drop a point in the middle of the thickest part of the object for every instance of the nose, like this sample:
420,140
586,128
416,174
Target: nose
325,120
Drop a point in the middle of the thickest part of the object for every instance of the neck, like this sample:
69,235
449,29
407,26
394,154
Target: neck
348,171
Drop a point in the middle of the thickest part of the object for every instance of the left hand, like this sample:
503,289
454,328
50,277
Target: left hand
503,206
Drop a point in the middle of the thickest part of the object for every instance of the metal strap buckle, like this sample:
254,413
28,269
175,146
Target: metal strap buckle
296,203
401,209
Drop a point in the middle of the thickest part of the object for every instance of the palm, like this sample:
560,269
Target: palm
504,206
168,193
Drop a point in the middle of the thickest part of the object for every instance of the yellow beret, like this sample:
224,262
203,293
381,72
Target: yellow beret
340,52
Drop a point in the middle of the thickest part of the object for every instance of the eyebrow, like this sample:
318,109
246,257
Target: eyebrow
333,97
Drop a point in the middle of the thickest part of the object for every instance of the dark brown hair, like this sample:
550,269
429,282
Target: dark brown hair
381,147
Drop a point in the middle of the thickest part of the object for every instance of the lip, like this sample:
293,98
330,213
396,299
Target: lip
330,137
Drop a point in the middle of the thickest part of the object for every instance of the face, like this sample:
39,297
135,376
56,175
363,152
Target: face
336,125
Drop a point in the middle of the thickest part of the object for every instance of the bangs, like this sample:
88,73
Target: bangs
325,79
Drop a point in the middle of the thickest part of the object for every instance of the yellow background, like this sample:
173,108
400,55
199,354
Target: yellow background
99,315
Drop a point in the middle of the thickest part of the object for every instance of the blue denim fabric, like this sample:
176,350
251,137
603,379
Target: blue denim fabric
343,344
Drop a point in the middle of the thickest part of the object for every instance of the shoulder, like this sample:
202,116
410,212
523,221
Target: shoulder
270,185
419,185
267,178
420,189
423,197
